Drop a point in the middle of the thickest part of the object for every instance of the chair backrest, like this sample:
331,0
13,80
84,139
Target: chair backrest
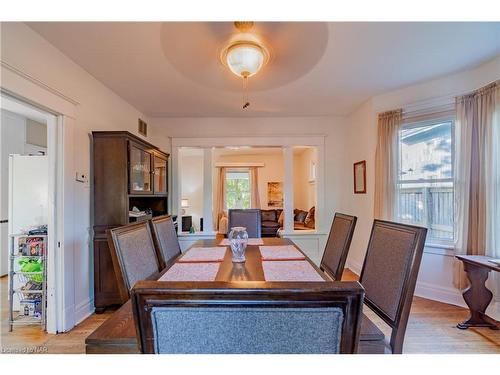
337,246
165,239
133,254
249,219
214,319
390,272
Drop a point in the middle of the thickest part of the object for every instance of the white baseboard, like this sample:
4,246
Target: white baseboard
354,266
83,310
68,319
424,290
438,293
493,310
441,294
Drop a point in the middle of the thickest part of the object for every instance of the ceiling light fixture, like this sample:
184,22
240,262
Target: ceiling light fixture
244,55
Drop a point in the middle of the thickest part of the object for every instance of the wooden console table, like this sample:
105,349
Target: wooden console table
477,296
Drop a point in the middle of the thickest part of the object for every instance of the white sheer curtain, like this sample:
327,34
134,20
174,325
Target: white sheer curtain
477,176
386,165
493,191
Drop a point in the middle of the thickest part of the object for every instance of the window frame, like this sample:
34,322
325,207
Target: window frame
237,169
406,125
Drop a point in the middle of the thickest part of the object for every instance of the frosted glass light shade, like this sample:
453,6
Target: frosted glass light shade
245,60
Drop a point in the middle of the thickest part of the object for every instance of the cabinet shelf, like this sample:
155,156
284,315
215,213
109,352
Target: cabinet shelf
27,291
23,319
33,300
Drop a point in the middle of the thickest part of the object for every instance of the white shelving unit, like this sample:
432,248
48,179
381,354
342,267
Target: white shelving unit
29,287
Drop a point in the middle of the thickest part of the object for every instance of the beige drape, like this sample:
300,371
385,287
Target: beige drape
386,162
254,179
477,176
218,210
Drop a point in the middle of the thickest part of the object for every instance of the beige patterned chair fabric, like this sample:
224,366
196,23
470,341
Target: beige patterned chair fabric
338,244
165,238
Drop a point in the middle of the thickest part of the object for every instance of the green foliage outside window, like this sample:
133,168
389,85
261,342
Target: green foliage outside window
238,190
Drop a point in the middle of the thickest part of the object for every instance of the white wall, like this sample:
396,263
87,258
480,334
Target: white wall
12,128
436,273
53,75
304,190
192,184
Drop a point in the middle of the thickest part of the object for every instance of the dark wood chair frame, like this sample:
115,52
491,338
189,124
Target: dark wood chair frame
123,285
348,295
399,323
159,253
336,274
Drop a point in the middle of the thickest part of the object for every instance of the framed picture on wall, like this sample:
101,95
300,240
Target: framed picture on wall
360,177
275,194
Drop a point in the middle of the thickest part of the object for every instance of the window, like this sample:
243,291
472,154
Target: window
425,183
238,189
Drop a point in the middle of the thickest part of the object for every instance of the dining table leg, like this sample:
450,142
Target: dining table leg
477,297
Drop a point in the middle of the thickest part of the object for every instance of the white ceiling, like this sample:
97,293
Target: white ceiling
172,69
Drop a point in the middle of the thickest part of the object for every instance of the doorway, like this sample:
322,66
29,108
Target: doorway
28,155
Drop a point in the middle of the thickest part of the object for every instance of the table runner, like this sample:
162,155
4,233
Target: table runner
251,241
203,254
191,272
282,252
290,270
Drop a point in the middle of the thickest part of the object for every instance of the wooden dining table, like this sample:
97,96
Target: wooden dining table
117,335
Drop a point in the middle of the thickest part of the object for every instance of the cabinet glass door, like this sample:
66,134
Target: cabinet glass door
140,171
160,175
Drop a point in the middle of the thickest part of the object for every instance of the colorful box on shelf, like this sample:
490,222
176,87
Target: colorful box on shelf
31,246
30,307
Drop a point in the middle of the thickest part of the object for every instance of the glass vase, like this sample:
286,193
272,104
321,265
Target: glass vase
238,240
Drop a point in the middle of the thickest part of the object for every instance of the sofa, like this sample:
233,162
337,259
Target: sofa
269,222
272,221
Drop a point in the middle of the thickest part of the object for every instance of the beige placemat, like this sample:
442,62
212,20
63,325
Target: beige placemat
290,270
191,272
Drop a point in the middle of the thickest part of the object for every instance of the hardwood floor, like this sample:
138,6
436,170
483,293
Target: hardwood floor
431,329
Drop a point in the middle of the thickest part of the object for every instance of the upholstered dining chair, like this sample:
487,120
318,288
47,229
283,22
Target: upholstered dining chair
285,318
389,275
165,239
248,218
133,254
337,245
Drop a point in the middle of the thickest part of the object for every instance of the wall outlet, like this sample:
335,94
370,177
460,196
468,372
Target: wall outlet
81,177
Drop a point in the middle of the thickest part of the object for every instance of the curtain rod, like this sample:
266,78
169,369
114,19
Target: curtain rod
239,165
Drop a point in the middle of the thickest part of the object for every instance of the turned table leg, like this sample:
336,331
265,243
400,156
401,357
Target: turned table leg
477,297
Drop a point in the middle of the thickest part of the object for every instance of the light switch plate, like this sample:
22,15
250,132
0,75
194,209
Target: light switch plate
81,177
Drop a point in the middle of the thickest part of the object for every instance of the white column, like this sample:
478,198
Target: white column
207,190
320,189
288,189
176,186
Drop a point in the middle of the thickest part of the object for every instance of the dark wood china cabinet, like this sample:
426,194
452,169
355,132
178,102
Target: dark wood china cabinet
128,173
